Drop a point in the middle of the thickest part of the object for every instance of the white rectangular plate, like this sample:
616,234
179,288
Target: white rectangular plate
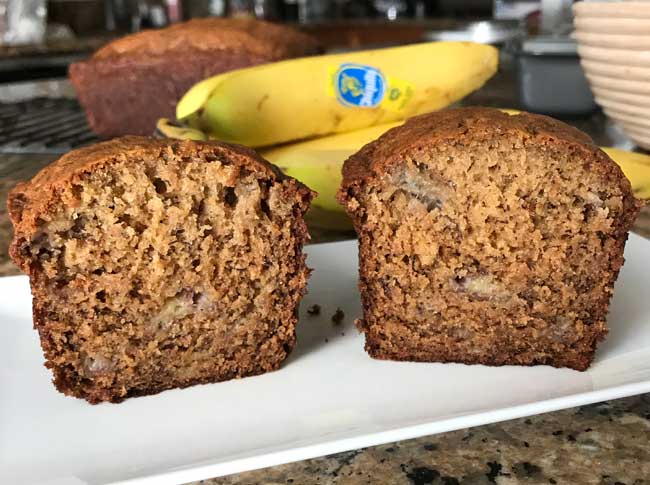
328,397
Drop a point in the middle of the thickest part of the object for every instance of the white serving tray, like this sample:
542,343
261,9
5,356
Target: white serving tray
328,397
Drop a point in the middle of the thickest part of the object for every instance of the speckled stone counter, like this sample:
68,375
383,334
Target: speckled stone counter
604,444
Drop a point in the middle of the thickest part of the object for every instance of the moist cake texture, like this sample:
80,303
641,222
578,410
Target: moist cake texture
157,264
486,238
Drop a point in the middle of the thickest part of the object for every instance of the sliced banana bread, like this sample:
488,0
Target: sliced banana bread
157,264
486,238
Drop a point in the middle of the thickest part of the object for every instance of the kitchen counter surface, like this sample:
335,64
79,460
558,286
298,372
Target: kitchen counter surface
605,444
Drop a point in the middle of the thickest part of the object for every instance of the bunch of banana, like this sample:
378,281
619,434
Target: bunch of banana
316,96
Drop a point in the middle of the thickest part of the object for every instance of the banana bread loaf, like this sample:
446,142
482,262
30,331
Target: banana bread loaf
486,238
157,264
131,82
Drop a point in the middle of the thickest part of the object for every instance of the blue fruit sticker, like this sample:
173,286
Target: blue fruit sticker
360,86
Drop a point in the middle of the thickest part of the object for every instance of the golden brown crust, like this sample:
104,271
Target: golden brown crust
454,124
28,200
211,34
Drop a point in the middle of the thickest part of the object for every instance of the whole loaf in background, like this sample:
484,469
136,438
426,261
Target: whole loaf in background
131,82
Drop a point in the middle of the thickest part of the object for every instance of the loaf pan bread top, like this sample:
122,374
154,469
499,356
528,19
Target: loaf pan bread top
454,125
253,36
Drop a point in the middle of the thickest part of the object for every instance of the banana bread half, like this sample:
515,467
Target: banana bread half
486,238
131,82
157,264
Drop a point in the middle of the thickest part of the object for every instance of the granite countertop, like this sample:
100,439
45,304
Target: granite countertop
605,443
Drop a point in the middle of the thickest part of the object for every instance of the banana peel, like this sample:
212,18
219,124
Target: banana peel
636,167
317,163
166,128
303,98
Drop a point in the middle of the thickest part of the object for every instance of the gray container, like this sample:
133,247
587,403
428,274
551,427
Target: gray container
550,79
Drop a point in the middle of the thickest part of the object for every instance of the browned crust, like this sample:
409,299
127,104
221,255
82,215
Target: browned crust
133,81
576,361
257,37
128,95
106,397
28,200
455,125
66,382
578,358
452,125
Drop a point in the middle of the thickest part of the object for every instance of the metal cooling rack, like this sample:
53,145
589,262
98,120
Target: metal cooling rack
43,125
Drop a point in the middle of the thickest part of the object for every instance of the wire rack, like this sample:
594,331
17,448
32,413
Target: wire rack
43,125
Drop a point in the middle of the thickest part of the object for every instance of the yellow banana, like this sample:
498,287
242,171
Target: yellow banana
636,167
315,96
317,163
198,95
166,128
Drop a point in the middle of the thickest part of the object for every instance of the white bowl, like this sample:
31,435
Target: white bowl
642,140
621,97
634,132
619,57
633,126
627,119
640,137
614,47
630,73
612,25
613,41
612,9
639,113
621,85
